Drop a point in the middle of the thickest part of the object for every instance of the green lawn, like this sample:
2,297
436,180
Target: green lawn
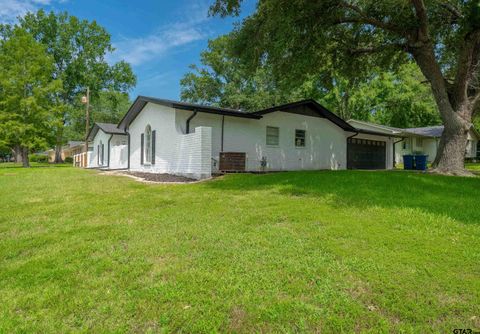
288,252
474,167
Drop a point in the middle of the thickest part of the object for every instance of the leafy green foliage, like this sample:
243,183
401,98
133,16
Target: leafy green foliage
27,92
107,107
41,158
396,98
78,49
303,252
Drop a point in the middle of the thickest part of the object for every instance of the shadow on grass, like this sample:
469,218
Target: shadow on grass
454,197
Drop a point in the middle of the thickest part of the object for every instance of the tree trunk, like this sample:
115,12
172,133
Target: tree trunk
25,159
58,147
450,157
17,153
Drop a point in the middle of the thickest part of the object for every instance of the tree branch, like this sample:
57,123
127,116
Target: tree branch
364,18
467,66
378,48
421,12
455,12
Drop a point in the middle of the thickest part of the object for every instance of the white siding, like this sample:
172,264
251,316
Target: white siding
175,152
95,158
116,158
325,142
118,152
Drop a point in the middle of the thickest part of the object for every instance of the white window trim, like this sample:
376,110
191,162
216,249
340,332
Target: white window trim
266,136
304,139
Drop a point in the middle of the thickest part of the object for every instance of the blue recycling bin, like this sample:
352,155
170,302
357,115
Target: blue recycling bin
421,162
408,161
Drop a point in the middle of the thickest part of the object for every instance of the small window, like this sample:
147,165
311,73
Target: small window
404,145
273,134
148,144
300,138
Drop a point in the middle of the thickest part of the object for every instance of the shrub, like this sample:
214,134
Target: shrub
38,158
69,160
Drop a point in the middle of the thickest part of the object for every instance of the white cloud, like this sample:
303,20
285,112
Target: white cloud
137,51
11,9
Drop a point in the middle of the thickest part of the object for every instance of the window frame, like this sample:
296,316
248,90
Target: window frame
299,138
267,136
147,150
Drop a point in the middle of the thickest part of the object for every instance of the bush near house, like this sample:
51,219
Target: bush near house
325,251
38,158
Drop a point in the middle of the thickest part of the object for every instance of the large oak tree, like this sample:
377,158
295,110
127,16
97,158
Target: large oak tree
79,49
441,36
27,94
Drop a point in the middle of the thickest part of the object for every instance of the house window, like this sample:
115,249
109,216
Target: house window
405,144
273,134
148,144
300,138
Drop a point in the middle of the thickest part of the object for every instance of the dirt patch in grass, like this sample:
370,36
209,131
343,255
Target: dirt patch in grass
155,177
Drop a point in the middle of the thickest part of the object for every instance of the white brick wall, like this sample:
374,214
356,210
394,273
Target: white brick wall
193,154
175,152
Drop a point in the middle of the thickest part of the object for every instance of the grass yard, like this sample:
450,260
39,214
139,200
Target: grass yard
289,252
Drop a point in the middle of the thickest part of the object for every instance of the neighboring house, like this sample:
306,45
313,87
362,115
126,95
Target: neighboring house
193,140
419,140
72,148
110,147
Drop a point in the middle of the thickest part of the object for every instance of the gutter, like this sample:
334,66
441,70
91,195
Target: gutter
128,149
223,127
187,125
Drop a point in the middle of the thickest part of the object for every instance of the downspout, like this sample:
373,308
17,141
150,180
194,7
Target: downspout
223,126
108,149
394,144
349,137
188,121
128,148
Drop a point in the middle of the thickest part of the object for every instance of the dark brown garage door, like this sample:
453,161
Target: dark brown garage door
366,154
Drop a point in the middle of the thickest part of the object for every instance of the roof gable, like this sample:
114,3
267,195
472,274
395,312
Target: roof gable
309,108
141,101
105,127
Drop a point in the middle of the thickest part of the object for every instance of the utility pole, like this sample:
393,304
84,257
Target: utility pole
86,101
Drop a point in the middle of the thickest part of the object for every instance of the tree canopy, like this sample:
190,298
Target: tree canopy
27,94
397,98
78,49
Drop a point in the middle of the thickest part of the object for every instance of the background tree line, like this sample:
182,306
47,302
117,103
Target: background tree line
47,61
398,98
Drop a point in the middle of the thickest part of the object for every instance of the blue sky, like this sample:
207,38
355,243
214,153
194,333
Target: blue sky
160,39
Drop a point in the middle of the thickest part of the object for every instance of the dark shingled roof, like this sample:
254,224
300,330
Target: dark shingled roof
141,101
105,127
429,131
110,128
305,107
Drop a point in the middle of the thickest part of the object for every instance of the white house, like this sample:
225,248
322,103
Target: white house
193,140
419,140
110,147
